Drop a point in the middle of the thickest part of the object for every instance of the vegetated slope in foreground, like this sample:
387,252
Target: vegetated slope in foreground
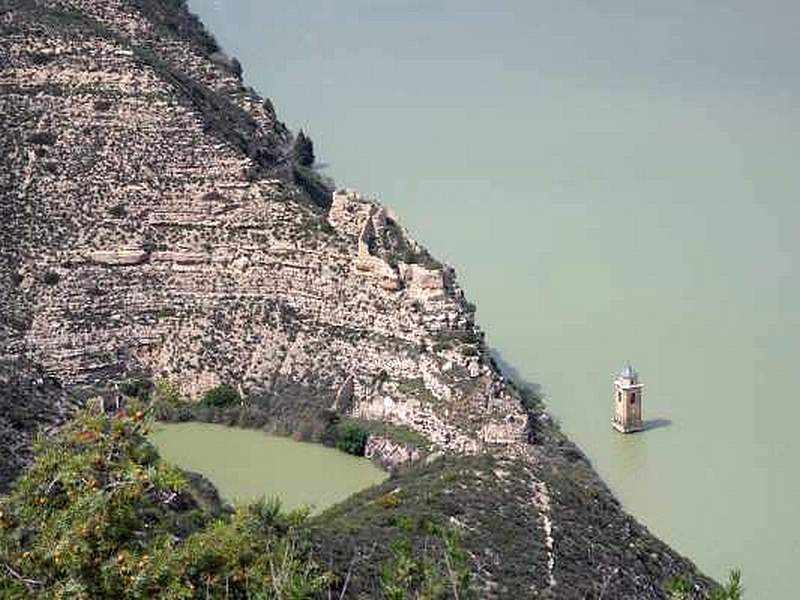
99,515
154,226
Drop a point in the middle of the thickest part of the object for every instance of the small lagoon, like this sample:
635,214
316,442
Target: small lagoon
245,464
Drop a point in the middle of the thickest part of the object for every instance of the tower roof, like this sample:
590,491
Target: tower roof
629,372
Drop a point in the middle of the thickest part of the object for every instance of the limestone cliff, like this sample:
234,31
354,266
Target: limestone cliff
151,223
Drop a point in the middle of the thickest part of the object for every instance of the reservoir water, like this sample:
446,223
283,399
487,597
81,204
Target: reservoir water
246,464
613,181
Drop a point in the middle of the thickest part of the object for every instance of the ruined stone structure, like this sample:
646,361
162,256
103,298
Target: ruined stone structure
150,226
628,401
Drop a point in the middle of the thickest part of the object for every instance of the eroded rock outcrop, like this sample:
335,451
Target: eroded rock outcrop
119,257
353,215
422,284
389,453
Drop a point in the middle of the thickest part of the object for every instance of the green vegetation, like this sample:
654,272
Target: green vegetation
51,278
167,392
102,105
439,569
291,409
680,588
43,138
236,68
733,589
347,435
318,188
167,404
416,387
350,434
222,395
396,433
418,530
99,515
351,439
41,58
118,211
683,588
449,338
135,388
400,249
303,150
224,405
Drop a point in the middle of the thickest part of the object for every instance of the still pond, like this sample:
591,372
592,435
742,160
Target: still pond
245,464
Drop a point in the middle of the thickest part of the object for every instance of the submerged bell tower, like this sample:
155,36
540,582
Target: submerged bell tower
628,401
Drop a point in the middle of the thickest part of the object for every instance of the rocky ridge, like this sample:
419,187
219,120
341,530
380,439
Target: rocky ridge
150,225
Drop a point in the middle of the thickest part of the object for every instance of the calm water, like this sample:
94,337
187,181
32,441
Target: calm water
614,181
246,464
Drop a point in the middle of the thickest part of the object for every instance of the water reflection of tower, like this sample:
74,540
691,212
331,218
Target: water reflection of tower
628,401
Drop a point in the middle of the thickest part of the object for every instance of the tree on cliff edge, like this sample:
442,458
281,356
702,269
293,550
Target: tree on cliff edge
303,150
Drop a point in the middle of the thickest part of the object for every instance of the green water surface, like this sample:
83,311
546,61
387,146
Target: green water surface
245,464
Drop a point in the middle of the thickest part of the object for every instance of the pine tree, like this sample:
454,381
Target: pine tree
303,150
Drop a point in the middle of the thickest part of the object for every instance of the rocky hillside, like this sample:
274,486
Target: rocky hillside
152,225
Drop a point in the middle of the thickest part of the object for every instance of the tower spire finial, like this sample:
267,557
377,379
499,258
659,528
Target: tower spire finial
628,372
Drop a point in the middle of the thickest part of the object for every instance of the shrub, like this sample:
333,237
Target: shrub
222,395
531,398
41,58
318,188
95,290
389,500
351,438
679,588
99,515
167,392
303,150
135,388
439,570
118,211
732,590
683,588
150,247
102,105
214,196
42,138
236,67
51,278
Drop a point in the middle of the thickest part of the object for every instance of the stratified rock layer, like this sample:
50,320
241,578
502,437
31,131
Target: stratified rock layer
149,224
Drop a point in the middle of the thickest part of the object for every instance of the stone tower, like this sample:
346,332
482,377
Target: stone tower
628,401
